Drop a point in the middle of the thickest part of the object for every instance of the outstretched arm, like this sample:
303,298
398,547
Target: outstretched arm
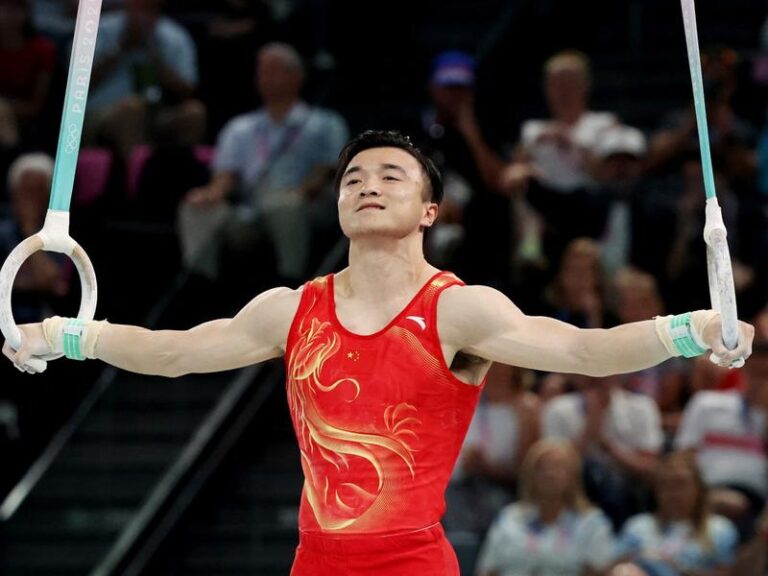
257,333
481,321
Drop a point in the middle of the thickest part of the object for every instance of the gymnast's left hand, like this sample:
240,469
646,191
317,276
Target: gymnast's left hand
33,344
712,334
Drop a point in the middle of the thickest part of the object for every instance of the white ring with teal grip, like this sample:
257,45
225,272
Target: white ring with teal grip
54,236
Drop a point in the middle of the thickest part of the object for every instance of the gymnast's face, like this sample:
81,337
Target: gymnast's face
384,192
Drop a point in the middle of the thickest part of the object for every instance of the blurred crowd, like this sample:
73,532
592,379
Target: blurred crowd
202,145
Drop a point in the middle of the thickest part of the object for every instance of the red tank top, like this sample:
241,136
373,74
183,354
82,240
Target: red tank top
379,418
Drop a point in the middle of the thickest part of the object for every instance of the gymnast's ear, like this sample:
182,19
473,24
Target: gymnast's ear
431,211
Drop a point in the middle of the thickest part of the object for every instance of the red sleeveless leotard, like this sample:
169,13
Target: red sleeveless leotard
379,420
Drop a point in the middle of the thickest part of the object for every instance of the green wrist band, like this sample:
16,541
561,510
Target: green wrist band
682,336
73,331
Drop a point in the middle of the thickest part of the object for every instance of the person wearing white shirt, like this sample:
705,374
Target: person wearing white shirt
145,74
618,433
682,536
555,163
727,433
553,530
504,427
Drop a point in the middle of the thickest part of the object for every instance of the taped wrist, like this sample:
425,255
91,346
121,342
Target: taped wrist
682,334
74,338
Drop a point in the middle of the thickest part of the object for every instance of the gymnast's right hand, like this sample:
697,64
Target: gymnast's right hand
33,343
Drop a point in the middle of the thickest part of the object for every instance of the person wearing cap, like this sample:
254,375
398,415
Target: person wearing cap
619,154
475,216
638,219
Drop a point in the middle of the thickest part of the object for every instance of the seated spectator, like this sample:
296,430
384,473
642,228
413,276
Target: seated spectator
56,18
555,161
575,294
686,266
505,425
559,151
732,138
553,530
226,31
144,77
619,435
41,277
27,62
752,559
706,375
619,170
473,232
271,175
682,538
551,385
726,431
637,298
638,213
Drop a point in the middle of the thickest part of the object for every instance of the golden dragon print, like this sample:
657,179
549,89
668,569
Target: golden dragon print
339,505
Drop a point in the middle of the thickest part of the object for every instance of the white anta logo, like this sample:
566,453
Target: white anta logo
419,320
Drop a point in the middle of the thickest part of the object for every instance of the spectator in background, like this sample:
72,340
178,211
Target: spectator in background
473,235
619,170
27,62
706,375
56,18
271,175
559,151
144,78
41,278
726,430
503,428
553,530
639,218
575,295
732,138
686,266
637,298
226,31
682,538
619,435
752,559
555,160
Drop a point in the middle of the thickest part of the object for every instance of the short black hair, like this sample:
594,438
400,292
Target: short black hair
390,139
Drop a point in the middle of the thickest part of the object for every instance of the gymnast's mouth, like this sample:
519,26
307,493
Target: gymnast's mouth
369,205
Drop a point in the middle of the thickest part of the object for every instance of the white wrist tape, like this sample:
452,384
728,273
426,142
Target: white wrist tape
74,338
682,334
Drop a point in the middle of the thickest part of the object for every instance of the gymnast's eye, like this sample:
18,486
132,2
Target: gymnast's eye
391,178
352,181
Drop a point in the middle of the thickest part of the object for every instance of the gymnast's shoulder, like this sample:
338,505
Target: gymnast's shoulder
272,311
466,308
